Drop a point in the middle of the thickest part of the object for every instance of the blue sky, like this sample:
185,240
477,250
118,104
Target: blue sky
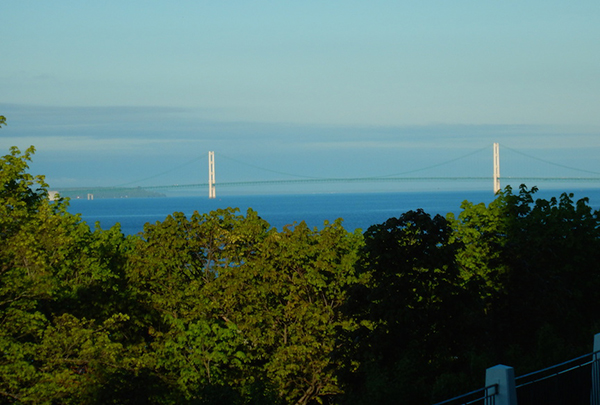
118,91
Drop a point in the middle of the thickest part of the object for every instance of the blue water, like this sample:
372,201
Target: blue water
357,210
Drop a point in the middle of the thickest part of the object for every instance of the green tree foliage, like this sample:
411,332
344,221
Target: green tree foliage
47,258
514,282
290,294
171,270
239,309
410,310
535,265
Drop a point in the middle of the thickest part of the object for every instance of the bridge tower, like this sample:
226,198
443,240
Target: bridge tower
496,168
212,193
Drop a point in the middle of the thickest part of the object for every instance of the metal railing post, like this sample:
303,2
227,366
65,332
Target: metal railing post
595,395
504,377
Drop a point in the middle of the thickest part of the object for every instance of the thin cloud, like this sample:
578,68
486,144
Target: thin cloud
87,144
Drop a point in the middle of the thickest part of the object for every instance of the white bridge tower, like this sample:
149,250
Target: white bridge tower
212,193
496,168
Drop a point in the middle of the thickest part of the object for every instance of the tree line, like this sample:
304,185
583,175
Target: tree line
222,308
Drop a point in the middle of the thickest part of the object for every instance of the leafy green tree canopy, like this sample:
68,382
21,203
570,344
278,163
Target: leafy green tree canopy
52,350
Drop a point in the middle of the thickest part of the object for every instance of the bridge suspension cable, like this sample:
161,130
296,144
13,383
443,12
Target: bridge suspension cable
162,173
268,170
437,164
549,162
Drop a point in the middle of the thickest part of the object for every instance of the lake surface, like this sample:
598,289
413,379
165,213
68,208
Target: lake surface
357,210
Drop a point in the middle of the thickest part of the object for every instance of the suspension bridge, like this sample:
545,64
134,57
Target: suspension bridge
495,179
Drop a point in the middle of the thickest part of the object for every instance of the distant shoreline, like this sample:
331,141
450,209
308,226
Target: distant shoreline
101,193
